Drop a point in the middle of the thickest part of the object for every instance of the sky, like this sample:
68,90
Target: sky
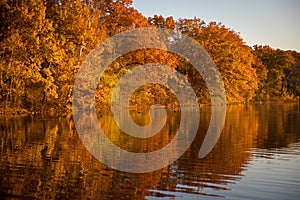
265,22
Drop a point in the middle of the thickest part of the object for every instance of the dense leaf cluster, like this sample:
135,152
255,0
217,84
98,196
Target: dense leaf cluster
43,43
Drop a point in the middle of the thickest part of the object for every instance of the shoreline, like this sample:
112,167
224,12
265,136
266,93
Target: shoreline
52,113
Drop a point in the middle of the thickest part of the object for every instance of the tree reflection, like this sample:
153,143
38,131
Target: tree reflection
45,159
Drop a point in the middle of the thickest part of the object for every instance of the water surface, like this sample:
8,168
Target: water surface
256,157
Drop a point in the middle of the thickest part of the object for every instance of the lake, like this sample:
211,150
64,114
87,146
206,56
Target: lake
256,157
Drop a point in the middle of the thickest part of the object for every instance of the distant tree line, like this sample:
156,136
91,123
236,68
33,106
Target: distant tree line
44,42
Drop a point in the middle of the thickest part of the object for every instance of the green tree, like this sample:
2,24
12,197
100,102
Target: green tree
293,78
279,64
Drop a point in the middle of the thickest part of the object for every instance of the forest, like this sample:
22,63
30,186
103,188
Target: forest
44,42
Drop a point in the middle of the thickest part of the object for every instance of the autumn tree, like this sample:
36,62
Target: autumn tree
44,43
279,64
161,22
121,19
78,30
120,16
42,48
26,44
293,77
232,56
